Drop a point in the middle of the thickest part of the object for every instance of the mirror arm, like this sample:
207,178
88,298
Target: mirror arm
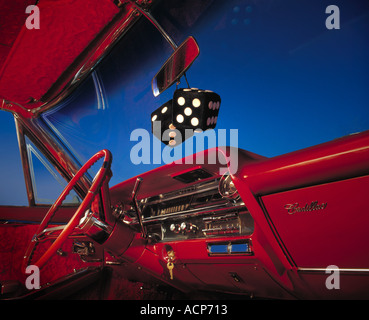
149,17
188,85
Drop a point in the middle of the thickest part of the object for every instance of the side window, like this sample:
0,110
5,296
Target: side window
12,186
47,183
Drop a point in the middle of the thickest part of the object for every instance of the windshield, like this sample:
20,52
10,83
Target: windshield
114,101
286,81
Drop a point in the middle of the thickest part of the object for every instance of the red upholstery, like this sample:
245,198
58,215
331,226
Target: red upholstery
12,17
14,240
36,58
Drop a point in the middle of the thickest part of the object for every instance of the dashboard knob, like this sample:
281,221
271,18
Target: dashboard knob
188,227
193,228
174,228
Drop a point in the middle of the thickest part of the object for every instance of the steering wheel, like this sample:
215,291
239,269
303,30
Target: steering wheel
97,182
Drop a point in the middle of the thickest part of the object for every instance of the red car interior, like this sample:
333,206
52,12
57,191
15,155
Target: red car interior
288,218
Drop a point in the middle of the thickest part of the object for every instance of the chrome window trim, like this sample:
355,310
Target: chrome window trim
47,144
103,44
24,160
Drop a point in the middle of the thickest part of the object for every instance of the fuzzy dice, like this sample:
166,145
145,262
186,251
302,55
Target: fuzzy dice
195,109
190,110
162,124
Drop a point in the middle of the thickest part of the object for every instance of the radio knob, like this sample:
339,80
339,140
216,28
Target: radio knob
174,228
188,227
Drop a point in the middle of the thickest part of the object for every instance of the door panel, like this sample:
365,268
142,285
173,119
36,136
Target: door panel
17,227
33,214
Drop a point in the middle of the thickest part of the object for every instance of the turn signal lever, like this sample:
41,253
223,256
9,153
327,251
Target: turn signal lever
137,208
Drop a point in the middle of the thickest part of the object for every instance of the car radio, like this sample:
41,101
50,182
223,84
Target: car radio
199,211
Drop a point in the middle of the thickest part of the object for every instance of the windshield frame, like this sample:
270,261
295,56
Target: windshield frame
60,157
29,121
32,124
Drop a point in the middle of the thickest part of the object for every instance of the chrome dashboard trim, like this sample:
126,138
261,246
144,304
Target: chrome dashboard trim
210,209
202,188
197,188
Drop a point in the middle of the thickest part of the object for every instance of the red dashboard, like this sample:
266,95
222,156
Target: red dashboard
291,218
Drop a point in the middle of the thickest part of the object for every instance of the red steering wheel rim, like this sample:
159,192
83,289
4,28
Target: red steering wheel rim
74,221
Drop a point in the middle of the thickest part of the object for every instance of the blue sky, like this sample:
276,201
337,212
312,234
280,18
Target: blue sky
286,81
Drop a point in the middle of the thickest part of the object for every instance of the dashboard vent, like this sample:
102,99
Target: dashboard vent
192,176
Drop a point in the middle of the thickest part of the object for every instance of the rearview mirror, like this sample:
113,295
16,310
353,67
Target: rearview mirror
175,66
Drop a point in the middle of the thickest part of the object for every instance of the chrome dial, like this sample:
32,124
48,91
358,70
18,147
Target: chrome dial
227,188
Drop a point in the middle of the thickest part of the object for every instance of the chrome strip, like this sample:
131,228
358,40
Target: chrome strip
99,89
324,270
195,189
24,160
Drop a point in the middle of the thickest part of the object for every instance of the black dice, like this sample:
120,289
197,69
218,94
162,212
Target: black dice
162,124
189,111
195,109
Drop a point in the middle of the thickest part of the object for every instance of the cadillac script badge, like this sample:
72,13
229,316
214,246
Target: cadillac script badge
313,206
